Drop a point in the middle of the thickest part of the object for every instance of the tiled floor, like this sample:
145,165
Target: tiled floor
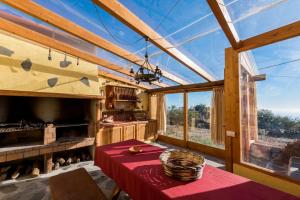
38,189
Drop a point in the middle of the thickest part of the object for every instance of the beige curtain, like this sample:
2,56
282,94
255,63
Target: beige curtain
253,111
217,116
161,113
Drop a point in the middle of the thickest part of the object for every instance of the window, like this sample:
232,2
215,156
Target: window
175,122
199,117
270,114
200,129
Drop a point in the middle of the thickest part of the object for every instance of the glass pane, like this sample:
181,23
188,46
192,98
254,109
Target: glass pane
196,33
271,111
199,118
95,19
254,17
175,122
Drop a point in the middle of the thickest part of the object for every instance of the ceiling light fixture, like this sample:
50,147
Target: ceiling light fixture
146,73
65,63
49,55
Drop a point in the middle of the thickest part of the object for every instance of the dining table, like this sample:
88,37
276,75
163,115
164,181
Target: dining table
142,177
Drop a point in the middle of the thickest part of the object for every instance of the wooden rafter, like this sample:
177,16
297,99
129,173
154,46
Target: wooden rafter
52,18
124,80
131,20
191,87
221,13
52,43
270,37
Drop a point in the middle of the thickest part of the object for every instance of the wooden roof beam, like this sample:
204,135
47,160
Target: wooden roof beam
39,12
191,87
221,13
270,37
132,21
124,80
18,30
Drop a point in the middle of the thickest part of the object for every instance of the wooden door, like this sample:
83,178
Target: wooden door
142,131
108,135
129,132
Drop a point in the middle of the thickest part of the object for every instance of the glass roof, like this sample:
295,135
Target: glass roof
281,64
254,17
191,27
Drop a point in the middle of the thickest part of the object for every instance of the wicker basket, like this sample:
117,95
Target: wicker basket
182,165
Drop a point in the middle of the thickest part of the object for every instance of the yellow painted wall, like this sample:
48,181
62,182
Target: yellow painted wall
14,77
271,181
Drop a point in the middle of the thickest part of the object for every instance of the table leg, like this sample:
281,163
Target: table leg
115,193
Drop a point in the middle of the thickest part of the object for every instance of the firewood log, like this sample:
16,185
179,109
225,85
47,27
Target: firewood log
61,161
35,171
78,160
16,173
69,161
83,156
5,169
56,166
74,159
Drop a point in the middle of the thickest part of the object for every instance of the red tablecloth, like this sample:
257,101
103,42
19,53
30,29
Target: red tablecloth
142,177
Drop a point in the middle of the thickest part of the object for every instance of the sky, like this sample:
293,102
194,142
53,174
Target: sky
192,28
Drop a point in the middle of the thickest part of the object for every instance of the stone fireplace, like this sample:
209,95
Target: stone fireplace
33,129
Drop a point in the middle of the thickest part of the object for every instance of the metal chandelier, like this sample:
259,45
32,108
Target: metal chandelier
146,73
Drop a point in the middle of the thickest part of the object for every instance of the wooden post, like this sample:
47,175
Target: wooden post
232,110
49,134
48,163
185,118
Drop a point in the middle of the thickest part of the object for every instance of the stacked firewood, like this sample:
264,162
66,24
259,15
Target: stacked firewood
14,171
61,161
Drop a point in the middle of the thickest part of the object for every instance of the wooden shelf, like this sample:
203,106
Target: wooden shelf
123,100
70,125
20,129
118,94
25,151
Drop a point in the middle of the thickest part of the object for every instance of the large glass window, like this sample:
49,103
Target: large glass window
199,117
270,113
175,117
201,127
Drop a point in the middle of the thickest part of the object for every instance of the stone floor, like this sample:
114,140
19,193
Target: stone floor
38,189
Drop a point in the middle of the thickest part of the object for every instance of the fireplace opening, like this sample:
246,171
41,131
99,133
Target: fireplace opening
23,120
70,133
36,112
24,138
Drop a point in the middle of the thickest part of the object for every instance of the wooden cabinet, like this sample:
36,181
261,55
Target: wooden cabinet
129,132
140,130
109,135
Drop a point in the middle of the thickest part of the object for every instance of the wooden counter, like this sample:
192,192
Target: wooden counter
120,131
